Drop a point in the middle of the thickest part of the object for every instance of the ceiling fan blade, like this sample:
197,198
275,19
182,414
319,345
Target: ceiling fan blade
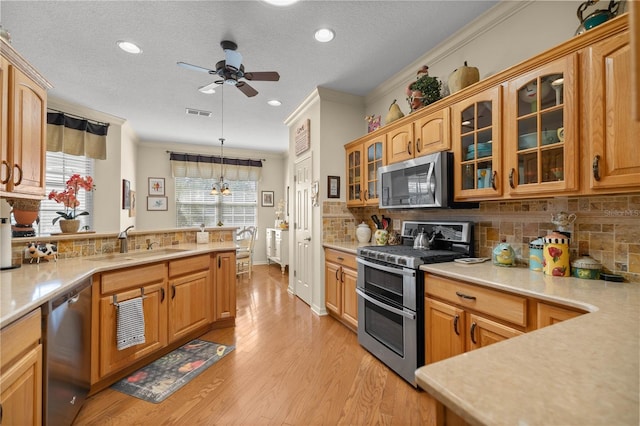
195,67
262,76
246,89
210,86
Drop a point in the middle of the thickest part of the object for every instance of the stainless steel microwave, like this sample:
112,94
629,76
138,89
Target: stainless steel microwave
423,182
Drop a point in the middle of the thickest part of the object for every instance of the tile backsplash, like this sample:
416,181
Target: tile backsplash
606,227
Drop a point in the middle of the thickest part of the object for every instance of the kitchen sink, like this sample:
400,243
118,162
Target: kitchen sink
118,257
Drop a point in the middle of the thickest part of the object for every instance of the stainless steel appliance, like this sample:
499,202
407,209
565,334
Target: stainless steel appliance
67,371
390,290
421,182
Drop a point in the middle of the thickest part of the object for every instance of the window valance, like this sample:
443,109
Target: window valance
76,135
211,167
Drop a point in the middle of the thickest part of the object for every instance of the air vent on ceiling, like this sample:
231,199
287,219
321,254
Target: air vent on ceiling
202,113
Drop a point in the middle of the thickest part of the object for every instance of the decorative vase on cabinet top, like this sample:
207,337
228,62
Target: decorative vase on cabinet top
363,233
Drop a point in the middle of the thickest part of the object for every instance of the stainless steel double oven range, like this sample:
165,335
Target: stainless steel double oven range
390,290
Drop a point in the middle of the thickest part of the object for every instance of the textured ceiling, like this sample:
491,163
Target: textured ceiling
72,43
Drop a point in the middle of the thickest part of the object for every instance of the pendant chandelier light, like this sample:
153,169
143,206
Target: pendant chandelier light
221,187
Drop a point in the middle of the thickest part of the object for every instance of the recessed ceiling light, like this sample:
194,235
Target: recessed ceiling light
281,2
129,47
324,35
274,102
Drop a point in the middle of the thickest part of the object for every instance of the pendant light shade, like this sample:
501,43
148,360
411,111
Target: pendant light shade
221,187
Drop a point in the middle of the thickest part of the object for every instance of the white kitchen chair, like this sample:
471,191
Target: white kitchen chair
245,240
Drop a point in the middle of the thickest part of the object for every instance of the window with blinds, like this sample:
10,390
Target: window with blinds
60,167
195,206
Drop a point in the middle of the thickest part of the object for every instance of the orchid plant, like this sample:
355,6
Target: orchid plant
69,197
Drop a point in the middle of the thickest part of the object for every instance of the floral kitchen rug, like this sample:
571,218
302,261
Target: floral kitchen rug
158,380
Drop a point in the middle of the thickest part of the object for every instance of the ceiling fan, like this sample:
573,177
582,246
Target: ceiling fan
231,71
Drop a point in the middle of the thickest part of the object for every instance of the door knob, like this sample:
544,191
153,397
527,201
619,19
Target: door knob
308,239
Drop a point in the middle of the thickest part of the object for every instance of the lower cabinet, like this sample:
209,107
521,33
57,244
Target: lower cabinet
224,265
149,282
21,371
461,317
341,273
189,295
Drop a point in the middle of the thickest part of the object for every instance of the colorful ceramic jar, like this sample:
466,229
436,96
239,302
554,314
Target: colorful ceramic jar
381,237
586,267
535,254
556,255
504,255
363,233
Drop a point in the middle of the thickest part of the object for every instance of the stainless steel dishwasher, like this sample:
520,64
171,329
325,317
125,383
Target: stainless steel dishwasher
67,371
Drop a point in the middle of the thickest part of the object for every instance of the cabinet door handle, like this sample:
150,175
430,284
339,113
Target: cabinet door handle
494,179
365,194
596,167
338,274
342,275
464,296
161,294
455,325
219,262
511,182
418,144
473,332
173,291
19,169
8,168
409,147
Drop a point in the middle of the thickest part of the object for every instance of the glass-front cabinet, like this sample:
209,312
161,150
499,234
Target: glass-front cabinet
363,161
540,141
476,126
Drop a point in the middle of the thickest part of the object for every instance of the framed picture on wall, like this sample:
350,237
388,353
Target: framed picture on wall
333,186
126,195
132,209
156,186
267,199
157,203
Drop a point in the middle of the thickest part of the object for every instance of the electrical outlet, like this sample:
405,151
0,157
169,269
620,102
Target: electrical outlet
396,224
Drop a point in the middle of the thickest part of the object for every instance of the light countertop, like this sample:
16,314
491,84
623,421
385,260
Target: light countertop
32,285
584,371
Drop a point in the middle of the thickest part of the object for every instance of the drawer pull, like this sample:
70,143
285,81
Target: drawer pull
473,329
340,258
455,325
464,296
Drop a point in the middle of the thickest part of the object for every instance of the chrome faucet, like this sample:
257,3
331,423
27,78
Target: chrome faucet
123,237
150,244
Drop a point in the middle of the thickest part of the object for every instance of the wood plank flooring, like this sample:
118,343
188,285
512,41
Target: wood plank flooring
290,367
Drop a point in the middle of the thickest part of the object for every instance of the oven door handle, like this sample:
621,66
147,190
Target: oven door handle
410,315
403,271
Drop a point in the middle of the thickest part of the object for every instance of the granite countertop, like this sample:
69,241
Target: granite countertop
584,371
346,247
32,285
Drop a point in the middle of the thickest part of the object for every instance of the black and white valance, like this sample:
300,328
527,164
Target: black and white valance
76,135
211,167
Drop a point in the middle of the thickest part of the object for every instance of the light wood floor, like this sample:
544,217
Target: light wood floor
290,367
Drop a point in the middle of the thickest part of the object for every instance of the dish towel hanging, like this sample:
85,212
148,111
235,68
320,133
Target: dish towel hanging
130,323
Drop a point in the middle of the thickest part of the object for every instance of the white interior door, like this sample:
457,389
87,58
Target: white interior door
303,259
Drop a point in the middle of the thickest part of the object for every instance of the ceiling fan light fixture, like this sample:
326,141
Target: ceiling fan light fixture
129,47
274,102
324,35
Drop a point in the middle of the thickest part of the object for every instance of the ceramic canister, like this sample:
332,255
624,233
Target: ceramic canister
556,255
535,254
381,236
363,233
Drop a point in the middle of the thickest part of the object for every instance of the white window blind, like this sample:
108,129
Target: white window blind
195,206
60,167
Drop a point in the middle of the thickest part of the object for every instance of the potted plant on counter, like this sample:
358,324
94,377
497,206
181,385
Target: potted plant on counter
69,198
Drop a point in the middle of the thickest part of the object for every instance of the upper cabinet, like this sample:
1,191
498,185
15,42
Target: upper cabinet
428,132
477,145
541,129
23,123
610,133
364,158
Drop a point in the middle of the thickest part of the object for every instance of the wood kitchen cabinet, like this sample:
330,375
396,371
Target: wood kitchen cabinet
548,314
21,371
460,317
190,294
224,265
400,143
477,145
364,157
610,132
148,281
427,132
541,130
23,126
341,273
